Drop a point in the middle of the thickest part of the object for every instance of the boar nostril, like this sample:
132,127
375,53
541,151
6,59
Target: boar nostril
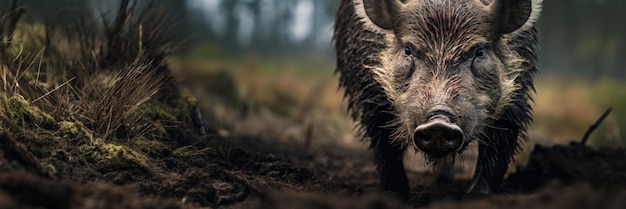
454,138
421,138
438,137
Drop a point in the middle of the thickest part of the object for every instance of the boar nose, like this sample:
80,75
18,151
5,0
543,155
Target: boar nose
438,137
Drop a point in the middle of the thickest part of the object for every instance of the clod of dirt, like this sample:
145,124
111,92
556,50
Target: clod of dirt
567,164
14,150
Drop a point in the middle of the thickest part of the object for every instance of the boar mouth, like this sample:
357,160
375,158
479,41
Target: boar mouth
439,136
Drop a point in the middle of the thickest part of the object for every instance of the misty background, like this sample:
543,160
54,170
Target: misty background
585,37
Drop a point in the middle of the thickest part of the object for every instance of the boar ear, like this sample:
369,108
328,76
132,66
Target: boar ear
511,15
383,13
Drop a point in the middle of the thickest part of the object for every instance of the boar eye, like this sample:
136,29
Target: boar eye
480,53
407,50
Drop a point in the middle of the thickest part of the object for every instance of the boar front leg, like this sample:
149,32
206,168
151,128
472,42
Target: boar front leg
494,155
390,167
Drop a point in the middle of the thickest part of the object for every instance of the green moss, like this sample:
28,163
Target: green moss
162,111
188,151
52,168
100,150
73,128
69,127
188,98
171,116
150,147
176,108
23,113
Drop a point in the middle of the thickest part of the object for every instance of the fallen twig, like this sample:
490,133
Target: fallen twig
594,126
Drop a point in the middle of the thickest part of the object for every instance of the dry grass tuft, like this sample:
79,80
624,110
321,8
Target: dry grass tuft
95,74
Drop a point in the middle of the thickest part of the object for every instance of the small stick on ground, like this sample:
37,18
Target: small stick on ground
594,126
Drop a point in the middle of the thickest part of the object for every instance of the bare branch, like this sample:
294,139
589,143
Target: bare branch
594,126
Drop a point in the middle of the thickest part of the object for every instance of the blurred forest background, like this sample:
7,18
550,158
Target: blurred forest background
253,61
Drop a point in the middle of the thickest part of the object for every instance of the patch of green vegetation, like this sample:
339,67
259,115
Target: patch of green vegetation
160,110
188,151
149,146
69,127
74,128
22,113
99,150
173,106
53,169
170,115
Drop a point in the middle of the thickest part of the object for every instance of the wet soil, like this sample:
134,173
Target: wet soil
250,172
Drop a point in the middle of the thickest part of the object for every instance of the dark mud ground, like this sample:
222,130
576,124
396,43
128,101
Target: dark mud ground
214,171
252,173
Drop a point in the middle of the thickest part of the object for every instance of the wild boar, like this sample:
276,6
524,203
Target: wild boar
437,75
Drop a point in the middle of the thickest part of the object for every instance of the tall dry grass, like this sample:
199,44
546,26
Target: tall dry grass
96,74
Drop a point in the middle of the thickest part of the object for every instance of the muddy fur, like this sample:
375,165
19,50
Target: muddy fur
394,72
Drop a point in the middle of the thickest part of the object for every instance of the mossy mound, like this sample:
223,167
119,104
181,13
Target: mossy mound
19,112
99,150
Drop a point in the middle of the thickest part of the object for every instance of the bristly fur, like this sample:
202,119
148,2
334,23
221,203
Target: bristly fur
366,54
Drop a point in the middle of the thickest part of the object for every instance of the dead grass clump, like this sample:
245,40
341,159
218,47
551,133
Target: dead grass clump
96,79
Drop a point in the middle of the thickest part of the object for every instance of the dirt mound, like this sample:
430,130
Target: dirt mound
602,168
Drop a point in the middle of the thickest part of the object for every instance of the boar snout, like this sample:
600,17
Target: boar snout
439,136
